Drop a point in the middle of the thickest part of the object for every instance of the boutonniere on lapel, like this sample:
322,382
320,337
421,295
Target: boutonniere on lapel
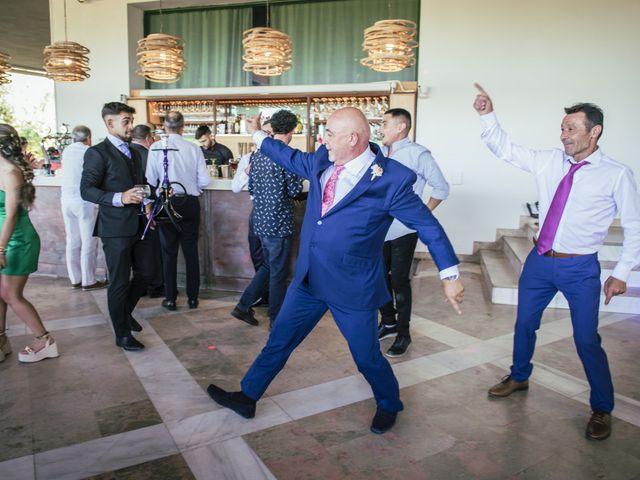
376,171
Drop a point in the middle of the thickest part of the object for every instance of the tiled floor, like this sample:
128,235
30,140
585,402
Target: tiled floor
98,412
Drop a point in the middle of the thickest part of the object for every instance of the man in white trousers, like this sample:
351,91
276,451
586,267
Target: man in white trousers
79,216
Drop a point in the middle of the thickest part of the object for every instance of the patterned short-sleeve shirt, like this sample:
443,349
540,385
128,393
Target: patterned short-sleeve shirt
273,189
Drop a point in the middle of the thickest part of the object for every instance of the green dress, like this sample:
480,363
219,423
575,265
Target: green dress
23,249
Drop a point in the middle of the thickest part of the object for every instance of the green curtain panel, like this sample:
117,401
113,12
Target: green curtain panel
213,39
327,39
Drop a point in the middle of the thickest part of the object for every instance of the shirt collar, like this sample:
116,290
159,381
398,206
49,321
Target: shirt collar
355,166
395,146
594,159
116,141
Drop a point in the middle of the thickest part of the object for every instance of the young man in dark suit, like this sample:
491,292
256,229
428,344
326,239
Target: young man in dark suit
111,172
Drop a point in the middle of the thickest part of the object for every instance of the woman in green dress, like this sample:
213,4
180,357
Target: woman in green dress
19,248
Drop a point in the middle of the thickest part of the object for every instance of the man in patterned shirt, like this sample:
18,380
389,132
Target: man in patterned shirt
273,190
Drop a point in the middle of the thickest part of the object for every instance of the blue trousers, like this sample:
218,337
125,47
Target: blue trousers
578,279
299,314
271,276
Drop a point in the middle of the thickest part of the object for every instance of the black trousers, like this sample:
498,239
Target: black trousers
171,239
158,280
124,254
398,257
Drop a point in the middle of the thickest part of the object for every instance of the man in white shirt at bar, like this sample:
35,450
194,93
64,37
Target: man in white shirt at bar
400,242
580,191
79,216
186,165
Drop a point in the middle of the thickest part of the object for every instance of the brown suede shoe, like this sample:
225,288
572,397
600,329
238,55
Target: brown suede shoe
599,426
507,386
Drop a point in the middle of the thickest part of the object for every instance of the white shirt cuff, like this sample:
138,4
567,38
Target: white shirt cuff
258,137
488,119
116,201
449,272
621,272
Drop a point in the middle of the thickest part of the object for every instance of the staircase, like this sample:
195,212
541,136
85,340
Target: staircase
502,261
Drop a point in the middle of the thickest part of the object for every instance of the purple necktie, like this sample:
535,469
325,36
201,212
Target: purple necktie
124,148
550,226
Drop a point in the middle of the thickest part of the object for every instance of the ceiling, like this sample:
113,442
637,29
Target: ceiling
25,32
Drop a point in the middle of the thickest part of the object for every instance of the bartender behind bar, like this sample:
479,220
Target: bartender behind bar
214,152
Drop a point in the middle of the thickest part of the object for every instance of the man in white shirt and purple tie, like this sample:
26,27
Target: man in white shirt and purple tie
580,191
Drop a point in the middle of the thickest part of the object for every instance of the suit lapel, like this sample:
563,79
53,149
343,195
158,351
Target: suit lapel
363,184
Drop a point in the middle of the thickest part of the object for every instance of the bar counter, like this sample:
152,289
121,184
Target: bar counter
224,253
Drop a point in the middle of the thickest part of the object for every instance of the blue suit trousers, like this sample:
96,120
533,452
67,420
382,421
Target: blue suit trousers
578,279
299,314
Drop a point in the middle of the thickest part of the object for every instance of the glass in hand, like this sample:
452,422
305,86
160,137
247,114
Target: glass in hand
145,191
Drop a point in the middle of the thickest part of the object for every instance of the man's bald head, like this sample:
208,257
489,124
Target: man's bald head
348,135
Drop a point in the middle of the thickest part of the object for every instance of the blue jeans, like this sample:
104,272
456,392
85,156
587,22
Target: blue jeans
578,279
272,274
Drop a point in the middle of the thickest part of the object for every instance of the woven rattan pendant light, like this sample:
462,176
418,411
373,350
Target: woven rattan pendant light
66,61
267,51
161,56
5,68
389,45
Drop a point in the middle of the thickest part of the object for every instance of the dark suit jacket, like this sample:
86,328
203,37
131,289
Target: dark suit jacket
107,171
341,252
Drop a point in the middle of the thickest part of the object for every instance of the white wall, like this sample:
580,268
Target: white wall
533,57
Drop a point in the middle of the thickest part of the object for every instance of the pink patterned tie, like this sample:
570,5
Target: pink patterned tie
550,226
330,189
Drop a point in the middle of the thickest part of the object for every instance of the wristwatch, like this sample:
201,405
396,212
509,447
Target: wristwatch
451,278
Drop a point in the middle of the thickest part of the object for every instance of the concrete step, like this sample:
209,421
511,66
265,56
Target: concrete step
516,250
501,284
500,278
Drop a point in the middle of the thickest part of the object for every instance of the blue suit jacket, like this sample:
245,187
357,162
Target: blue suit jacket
341,252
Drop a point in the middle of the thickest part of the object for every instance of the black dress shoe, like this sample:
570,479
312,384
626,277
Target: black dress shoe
169,304
246,317
193,303
399,347
135,326
386,331
383,421
236,401
599,426
129,343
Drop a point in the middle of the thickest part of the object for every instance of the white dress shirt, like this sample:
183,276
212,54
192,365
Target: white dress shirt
419,159
186,165
241,179
601,190
354,170
72,164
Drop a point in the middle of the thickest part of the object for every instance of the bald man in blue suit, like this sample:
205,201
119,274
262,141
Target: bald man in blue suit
355,193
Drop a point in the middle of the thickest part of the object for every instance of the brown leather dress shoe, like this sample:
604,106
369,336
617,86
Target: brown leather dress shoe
599,426
95,286
507,386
